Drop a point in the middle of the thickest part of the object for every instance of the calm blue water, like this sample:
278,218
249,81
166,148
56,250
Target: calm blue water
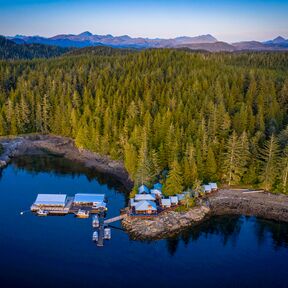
58,251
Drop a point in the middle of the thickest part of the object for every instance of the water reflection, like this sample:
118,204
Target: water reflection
62,167
228,228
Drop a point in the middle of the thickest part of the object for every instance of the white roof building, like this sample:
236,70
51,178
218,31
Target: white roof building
207,188
213,185
92,199
143,189
166,203
144,197
145,206
51,200
156,192
180,197
174,200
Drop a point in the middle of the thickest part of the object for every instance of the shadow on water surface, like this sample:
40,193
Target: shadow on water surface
61,167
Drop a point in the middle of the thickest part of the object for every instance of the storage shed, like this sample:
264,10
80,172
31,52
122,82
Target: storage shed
165,203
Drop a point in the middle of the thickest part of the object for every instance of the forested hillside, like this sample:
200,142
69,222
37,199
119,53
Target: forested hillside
11,50
202,117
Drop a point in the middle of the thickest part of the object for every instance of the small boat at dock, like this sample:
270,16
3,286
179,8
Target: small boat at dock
107,233
95,221
82,214
95,236
41,212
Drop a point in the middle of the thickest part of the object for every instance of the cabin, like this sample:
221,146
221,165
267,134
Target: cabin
132,202
174,200
158,186
144,197
146,207
156,193
94,200
50,200
181,197
52,203
165,203
206,188
143,189
213,186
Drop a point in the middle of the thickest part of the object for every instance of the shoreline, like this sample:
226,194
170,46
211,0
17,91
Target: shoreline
61,146
224,202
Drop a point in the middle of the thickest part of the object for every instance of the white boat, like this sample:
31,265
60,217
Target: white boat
41,212
95,221
95,236
107,233
82,214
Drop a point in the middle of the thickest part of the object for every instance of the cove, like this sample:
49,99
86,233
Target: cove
57,251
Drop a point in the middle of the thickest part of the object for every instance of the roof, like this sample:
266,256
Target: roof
141,197
89,198
207,188
180,196
145,205
173,199
51,199
143,189
156,191
166,202
132,202
101,205
158,186
213,185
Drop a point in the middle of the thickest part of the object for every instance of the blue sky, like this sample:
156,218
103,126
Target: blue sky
226,20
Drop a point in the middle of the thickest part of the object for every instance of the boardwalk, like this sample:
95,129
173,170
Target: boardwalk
114,219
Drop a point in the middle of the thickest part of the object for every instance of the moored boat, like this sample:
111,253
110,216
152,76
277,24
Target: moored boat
95,236
95,221
107,233
82,214
41,212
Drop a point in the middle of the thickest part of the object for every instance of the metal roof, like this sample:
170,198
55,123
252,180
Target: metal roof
143,189
89,198
141,197
158,186
207,188
213,185
156,191
174,199
145,205
180,196
166,202
51,199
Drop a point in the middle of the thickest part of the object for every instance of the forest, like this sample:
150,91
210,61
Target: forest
194,116
11,50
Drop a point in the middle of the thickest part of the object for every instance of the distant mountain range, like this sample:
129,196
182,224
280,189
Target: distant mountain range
202,42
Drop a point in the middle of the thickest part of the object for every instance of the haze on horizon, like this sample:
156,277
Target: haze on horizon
226,20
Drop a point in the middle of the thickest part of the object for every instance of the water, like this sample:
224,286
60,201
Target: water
58,251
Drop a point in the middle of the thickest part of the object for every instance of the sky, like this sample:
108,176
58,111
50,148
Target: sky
226,20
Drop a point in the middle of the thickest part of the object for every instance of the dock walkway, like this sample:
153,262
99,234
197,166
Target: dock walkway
114,219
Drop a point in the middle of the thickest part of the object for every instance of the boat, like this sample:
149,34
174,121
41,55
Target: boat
41,212
82,214
95,221
107,233
95,236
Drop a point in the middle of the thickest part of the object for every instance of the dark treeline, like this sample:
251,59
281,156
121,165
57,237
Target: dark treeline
201,116
11,50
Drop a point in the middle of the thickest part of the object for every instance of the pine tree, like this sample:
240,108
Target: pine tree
174,182
211,166
284,171
268,157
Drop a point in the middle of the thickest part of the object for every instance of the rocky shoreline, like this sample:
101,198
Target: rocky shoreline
223,202
65,147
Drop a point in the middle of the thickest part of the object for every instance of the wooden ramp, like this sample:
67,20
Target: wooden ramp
114,219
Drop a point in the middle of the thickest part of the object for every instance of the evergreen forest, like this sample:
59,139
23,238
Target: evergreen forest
195,116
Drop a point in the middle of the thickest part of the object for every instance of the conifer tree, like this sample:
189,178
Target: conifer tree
268,156
174,182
